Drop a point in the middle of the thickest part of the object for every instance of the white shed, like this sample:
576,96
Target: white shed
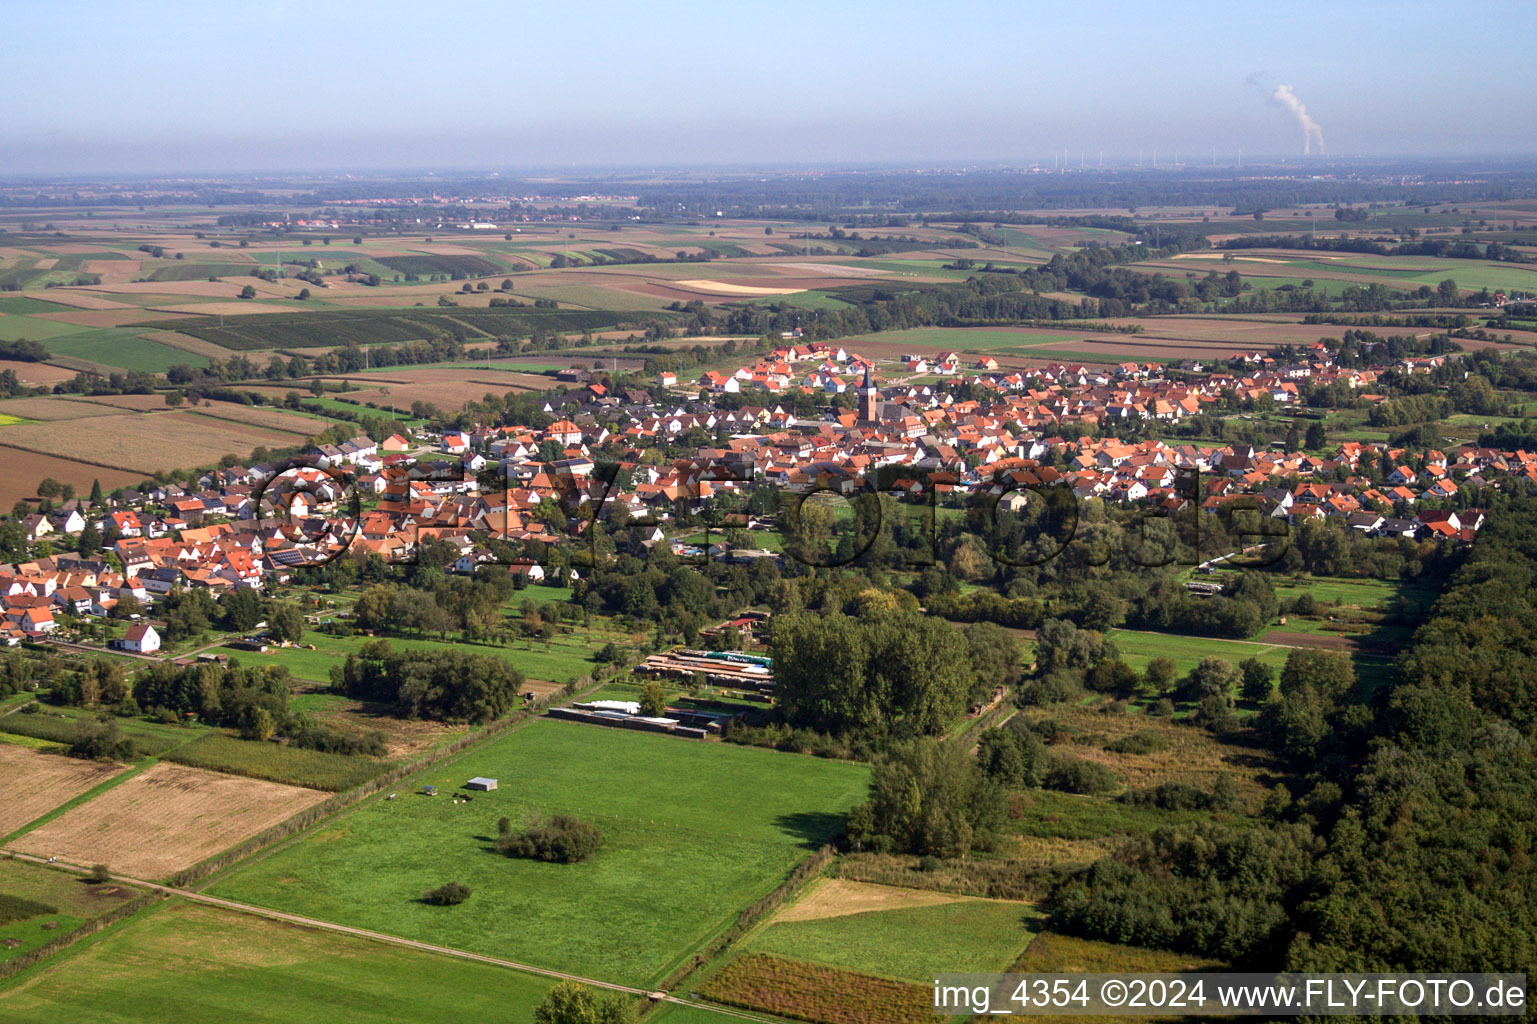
481,782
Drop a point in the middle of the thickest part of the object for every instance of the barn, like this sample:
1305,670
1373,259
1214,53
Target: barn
480,782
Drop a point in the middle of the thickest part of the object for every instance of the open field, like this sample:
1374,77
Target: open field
166,818
121,348
816,992
190,962
51,408
1186,754
1138,647
72,900
402,737
330,328
1051,951
140,443
58,726
294,766
903,942
714,825
838,897
256,416
35,782
35,374
567,656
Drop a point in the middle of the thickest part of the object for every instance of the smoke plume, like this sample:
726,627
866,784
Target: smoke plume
1282,96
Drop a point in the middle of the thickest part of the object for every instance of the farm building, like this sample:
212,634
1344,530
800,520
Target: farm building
429,791
482,783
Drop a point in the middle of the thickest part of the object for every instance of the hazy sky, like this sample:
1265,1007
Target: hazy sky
225,85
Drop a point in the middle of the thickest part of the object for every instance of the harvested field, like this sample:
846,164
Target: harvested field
107,317
238,308
36,373
542,687
839,897
35,783
270,419
167,818
197,346
446,395
831,269
88,297
136,403
723,288
53,408
182,289
21,471
141,445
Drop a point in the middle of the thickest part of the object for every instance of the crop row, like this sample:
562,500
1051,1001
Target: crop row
812,992
313,769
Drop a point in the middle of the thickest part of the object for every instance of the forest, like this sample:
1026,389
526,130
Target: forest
1404,842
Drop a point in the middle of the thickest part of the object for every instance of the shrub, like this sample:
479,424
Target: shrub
1144,741
369,744
101,873
560,838
449,894
100,741
1071,775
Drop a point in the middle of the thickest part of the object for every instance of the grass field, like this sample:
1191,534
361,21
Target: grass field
963,339
73,901
122,348
908,943
1138,648
196,963
58,725
568,656
693,831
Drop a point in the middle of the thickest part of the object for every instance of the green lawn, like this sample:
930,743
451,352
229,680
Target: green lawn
909,943
185,962
694,832
1139,648
568,656
1053,815
964,339
74,901
122,348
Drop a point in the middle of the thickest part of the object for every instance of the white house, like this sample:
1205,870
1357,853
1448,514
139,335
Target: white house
142,639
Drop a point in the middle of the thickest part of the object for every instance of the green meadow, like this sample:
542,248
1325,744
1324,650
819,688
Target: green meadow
693,832
185,962
910,943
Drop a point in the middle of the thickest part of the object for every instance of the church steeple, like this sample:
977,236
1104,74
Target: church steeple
869,398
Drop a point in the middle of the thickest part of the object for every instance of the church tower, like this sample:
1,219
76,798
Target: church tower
869,399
